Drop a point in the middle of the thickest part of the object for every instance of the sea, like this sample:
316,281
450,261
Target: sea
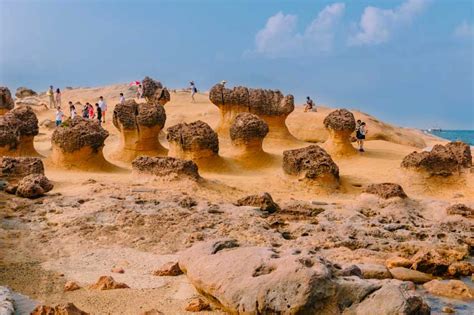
466,136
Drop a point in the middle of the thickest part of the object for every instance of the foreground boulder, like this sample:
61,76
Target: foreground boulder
60,309
271,106
386,190
441,161
247,132
452,288
264,202
6,100
192,141
139,126
460,209
166,167
78,143
154,92
436,260
262,280
312,163
18,128
340,124
22,92
15,168
33,186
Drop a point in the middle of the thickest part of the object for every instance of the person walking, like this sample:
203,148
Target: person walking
99,112
59,116
360,135
139,91
58,97
122,98
103,108
193,90
72,110
85,111
50,93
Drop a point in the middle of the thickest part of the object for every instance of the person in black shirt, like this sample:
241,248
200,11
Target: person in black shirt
98,110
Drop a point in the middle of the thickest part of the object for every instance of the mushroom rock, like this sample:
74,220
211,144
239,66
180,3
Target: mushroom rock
20,123
247,132
440,162
272,106
22,92
139,126
166,167
340,124
153,91
78,143
6,100
312,163
194,141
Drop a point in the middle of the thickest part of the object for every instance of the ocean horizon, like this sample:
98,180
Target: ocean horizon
466,136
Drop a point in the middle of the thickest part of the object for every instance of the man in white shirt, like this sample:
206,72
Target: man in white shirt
122,98
103,107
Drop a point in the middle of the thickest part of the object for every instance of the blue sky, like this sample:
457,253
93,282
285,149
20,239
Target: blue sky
410,62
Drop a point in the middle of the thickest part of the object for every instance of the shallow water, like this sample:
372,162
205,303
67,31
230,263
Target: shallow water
23,304
466,136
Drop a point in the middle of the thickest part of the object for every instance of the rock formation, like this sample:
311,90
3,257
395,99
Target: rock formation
386,190
139,126
247,132
169,269
22,92
33,186
264,202
108,283
263,280
15,168
166,167
194,141
452,288
462,152
18,128
6,301
60,309
460,209
78,143
154,92
312,163
6,100
272,106
34,102
340,124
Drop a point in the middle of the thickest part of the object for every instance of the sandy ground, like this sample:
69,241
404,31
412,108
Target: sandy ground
94,221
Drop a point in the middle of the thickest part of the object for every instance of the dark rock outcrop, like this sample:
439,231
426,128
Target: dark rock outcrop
462,152
386,190
18,128
18,167
33,186
6,100
166,166
312,163
460,209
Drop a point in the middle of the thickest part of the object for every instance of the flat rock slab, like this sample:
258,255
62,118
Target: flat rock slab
406,274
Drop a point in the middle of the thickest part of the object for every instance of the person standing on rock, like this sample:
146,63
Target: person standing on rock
72,110
360,135
98,110
103,108
85,111
122,98
50,93
58,97
59,116
193,90
139,91
310,106
90,109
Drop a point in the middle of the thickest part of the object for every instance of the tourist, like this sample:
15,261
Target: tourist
50,93
103,108
90,109
360,135
58,97
139,91
72,110
85,111
122,98
99,112
309,105
59,116
193,90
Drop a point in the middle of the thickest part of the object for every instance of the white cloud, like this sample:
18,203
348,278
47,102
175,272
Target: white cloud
464,30
377,25
279,37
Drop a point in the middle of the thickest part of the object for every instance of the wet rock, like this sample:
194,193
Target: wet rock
436,261
71,286
154,92
405,274
462,152
6,301
257,280
192,141
460,209
60,309
6,100
264,202
352,290
448,310
452,288
460,268
374,271
340,125
15,168
169,269
197,305
386,190
22,92
108,283
166,166
33,186
312,163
